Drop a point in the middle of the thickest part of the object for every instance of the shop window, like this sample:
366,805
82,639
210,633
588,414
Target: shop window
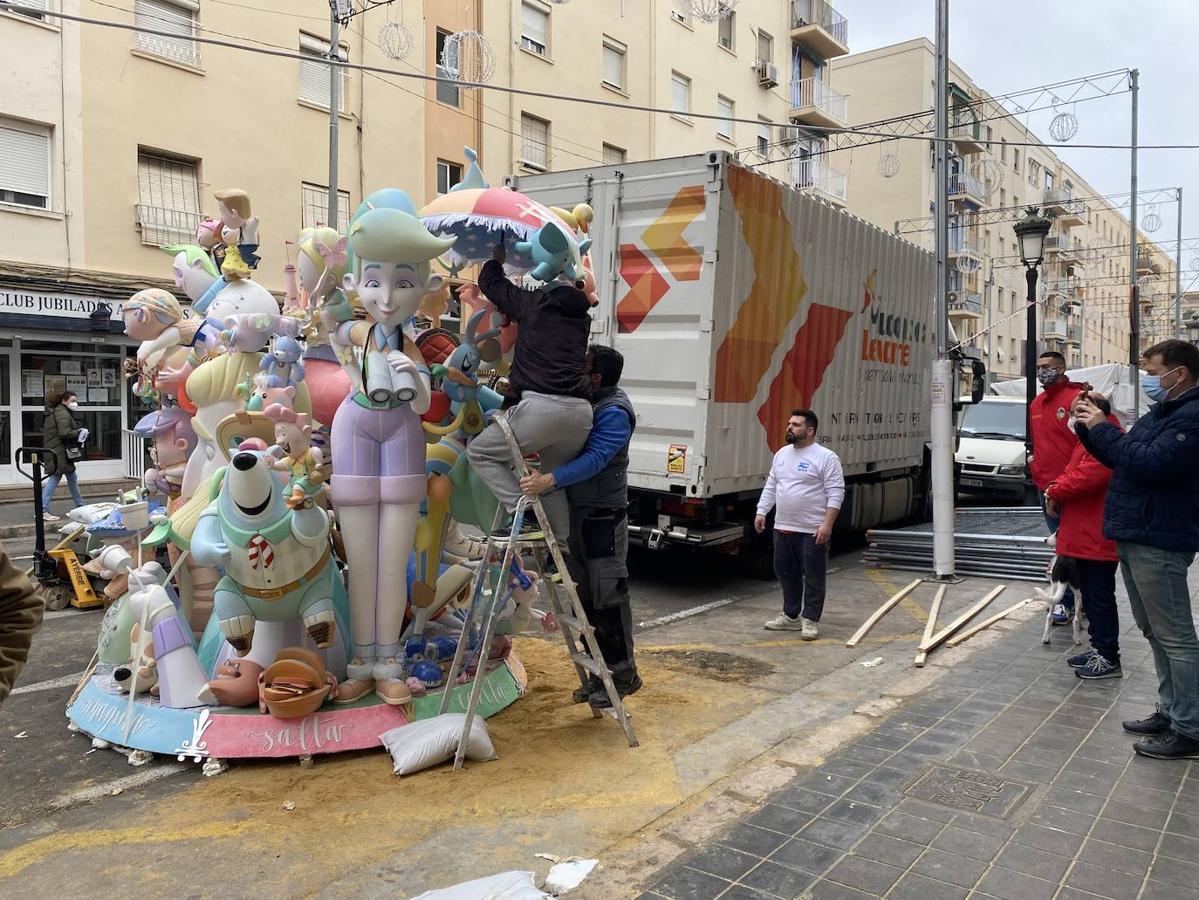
93,373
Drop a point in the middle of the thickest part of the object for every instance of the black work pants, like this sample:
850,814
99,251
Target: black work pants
1097,584
801,566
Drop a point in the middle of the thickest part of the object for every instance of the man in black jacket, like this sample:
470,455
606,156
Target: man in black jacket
553,412
1152,513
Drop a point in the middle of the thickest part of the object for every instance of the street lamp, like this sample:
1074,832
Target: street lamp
1031,232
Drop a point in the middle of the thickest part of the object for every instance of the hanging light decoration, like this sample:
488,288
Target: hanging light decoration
1151,221
888,161
468,57
709,10
395,40
1064,124
988,173
969,262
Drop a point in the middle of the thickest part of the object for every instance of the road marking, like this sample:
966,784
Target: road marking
62,613
96,791
686,613
914,609
64,681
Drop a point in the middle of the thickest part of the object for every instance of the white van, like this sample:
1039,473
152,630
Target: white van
991,454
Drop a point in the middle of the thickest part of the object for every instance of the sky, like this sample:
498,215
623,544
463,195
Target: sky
1024,43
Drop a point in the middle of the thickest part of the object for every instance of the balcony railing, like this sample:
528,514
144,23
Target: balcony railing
962,240
822,15
814,175
965,128
1066,288
1059,201
1054,329
964,184
967,303
807,92
1074,333
136,456
161,225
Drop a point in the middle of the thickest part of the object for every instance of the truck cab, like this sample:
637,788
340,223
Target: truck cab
991,454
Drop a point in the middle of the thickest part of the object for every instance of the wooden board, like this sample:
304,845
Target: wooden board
882,611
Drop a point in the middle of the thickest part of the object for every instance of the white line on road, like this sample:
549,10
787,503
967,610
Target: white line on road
96,791
686,613
50,685
62,613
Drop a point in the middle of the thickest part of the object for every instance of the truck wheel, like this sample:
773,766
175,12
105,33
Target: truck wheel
756,559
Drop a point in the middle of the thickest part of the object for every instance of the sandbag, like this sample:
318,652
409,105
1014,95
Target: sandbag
512,885
427,742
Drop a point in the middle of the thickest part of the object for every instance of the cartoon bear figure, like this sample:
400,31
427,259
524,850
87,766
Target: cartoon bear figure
282,364
277,561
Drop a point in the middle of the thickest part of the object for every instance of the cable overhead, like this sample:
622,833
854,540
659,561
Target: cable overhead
545,95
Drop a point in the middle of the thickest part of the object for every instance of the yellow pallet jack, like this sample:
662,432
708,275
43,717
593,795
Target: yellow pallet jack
58,570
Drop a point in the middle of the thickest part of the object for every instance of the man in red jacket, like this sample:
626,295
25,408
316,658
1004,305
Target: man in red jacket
1077,497
1053,440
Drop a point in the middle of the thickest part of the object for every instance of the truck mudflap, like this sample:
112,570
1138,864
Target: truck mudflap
655,538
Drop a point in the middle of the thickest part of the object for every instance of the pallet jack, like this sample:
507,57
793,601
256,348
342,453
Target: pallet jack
58,570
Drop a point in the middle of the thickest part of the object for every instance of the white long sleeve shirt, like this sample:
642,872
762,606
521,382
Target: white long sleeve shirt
804,482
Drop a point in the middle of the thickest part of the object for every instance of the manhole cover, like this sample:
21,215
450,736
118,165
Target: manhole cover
970,790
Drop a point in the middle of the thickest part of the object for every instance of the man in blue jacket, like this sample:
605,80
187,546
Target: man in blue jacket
597,484
1152,513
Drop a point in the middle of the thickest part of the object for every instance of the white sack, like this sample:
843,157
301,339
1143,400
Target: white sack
427,742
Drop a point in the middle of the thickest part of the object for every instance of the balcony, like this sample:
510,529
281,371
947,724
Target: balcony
161,225
815,103
1147,265
1066,290
965,130
1060,248
820,28
1059,203
966,188
1054,329
821,179
1074,334
965,305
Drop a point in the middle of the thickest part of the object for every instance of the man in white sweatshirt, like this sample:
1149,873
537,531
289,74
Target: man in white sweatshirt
806,487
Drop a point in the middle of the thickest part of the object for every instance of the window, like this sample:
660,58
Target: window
314,206
1016,159
724,125
614,59
990,136
1015,201
447,91
178,18
764,135
1003,149
613,155
1048,180
765,47
680,12
40,4
726,29
168,190
534,28
1034,173
448,175
314,72
25,165
1002,302
534,142
1002,198
680,94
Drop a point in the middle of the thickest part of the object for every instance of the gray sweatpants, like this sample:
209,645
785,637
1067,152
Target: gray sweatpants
555,427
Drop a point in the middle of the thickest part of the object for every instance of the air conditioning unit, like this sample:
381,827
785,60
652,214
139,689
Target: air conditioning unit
788,134
768,74
951,298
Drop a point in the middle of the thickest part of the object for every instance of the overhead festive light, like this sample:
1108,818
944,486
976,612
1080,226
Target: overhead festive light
888,162
467,57
395,40
709,10
1064,125
1151,221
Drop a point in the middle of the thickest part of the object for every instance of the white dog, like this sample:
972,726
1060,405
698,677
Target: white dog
1062,574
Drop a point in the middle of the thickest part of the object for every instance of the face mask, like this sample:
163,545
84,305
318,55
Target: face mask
73,405
1046,377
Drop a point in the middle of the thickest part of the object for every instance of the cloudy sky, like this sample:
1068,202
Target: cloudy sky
1024,43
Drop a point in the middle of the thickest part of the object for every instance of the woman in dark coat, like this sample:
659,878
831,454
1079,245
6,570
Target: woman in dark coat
60,433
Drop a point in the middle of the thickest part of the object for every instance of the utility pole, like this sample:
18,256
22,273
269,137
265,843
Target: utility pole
943,380
1134,341
1178,273
334,107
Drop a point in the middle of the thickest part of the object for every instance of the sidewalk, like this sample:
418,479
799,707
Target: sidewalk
1010,778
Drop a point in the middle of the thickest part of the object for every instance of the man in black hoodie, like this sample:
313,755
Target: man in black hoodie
552,416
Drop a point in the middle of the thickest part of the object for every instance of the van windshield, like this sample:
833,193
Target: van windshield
998,421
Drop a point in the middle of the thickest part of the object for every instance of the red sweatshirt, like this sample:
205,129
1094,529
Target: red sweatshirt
1081,490
1052,440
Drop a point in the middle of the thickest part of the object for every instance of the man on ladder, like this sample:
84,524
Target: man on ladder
596,483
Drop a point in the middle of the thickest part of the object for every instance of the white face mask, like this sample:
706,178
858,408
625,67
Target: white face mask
73,405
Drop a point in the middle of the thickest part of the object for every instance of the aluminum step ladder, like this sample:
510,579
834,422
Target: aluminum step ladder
487,602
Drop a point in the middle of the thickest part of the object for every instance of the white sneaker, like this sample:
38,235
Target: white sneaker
809,632
784,622
50,517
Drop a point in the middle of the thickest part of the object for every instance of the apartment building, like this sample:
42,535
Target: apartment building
112,141
994,174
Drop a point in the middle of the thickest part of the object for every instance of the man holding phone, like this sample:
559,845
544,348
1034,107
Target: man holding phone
1152,513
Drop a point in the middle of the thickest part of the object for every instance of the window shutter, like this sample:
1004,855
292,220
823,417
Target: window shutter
534,134
178,19
535,24
613,66
681,94
314,73
613,156
24,162
724,127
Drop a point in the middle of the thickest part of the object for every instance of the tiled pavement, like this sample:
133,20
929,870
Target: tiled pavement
1096,820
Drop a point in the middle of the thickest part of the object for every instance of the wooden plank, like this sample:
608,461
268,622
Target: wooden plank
986,623
940,637
882,611
931,625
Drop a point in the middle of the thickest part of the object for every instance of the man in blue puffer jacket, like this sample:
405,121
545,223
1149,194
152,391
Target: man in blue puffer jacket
1152,513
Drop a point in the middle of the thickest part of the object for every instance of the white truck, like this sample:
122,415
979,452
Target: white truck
735,299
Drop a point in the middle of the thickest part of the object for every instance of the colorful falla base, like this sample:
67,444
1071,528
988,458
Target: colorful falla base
101,711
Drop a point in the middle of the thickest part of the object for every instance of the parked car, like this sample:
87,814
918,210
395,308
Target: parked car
991,456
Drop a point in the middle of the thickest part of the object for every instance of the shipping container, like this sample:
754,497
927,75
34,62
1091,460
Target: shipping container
734,299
